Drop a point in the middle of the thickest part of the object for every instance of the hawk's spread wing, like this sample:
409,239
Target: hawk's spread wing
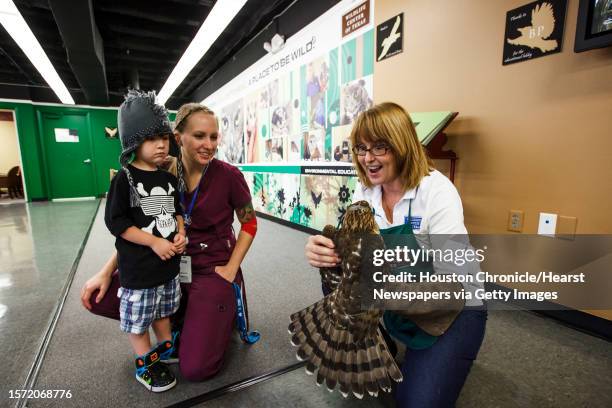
330,277
356,253
543,16
337,339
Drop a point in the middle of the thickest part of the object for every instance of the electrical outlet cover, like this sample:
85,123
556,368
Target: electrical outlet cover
515,220
547,225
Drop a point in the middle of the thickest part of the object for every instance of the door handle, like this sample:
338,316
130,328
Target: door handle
87,161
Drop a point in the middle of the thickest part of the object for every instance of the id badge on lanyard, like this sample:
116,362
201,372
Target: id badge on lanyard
185,269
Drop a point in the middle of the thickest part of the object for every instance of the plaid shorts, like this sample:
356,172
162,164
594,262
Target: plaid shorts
139,307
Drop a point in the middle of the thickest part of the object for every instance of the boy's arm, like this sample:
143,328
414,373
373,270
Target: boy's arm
162,247
180,240
116,214
181,225
138,236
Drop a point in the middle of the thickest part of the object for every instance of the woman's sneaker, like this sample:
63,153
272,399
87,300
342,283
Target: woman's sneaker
168,350
153,374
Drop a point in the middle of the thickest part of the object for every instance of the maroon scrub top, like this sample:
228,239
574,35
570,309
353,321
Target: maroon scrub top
223,189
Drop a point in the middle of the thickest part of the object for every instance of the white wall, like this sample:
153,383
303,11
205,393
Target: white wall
9,151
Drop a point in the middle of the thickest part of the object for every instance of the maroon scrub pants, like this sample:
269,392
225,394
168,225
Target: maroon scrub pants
207,315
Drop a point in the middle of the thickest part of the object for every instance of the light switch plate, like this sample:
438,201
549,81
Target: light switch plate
547,224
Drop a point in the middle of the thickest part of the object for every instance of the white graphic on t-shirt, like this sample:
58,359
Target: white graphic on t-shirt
160,205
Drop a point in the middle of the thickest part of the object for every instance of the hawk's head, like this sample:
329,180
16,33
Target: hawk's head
359,217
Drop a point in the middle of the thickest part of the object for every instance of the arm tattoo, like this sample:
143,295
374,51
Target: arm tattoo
246,213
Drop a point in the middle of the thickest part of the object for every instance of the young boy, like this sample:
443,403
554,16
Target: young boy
143,212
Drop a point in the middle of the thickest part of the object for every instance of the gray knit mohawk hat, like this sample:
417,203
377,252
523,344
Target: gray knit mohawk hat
140,117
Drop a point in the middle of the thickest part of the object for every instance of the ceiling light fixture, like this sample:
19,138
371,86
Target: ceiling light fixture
18,29
219,17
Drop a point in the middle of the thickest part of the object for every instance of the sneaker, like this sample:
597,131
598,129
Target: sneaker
153,374
168,350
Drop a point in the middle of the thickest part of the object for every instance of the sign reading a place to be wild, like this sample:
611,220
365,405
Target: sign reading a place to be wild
534,30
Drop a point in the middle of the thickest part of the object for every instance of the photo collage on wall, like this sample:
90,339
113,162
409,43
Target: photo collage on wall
301,117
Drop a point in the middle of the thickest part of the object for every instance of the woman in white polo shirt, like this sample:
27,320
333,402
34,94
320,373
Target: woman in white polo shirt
409,197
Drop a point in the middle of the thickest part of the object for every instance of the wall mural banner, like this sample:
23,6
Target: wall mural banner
329,170
310,201
290,114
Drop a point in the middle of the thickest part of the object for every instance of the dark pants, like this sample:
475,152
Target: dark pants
433,377
206,318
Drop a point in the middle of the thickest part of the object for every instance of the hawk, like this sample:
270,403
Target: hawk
334,335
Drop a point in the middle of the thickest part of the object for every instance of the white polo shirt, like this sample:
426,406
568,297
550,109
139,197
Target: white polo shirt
436,209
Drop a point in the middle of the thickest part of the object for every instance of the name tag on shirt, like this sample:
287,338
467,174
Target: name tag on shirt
415,222
185,271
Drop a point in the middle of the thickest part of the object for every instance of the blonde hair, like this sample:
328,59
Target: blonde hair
179,126
390,123
186,110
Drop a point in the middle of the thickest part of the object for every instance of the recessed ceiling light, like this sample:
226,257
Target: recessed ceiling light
219,17
16,26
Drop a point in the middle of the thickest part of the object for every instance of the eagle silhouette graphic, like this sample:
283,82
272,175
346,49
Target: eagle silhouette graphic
392,38
542,26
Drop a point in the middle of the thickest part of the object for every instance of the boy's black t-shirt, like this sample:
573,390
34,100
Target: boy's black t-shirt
139,266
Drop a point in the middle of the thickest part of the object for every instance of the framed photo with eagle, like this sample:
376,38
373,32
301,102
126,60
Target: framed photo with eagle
534,30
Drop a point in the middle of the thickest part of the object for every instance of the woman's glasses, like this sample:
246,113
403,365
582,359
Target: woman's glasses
376,150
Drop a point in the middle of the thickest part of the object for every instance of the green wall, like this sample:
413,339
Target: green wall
105,151
29,144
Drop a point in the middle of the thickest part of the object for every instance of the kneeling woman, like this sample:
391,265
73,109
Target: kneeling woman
409,197
215,190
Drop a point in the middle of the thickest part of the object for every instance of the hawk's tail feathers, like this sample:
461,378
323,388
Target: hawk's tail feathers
356,365
325,344
391,367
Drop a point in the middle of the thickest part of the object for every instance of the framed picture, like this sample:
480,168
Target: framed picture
594,25
534,30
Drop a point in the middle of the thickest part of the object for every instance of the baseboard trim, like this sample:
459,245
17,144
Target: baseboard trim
576,319
289,224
